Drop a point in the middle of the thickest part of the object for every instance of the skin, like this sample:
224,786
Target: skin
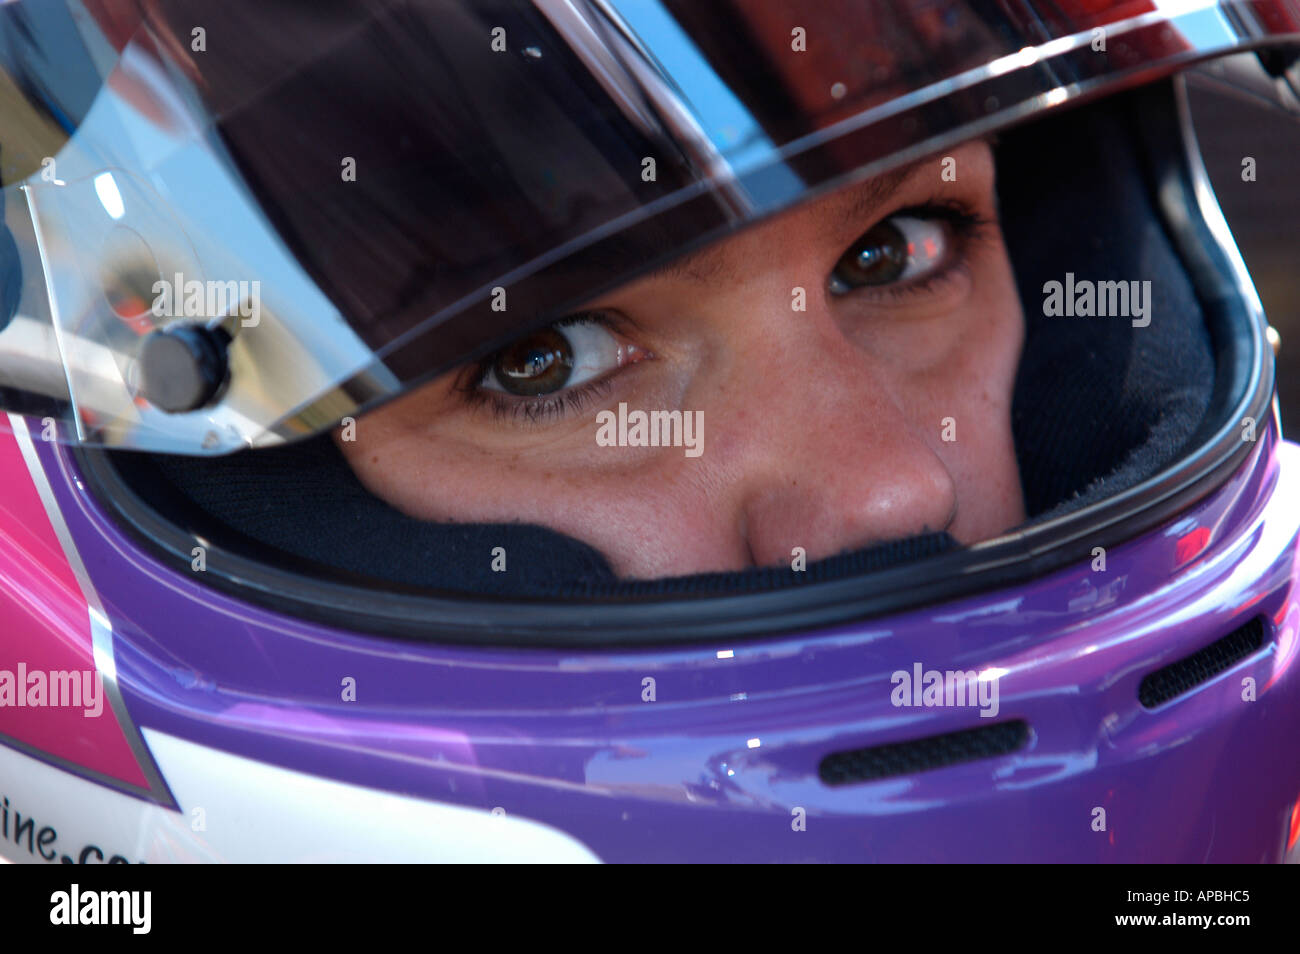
823,428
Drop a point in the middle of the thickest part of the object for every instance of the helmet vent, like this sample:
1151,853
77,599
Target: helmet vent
921,755
1186,674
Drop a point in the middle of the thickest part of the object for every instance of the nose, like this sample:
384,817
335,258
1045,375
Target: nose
830,457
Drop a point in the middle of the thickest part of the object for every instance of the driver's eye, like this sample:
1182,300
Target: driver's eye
897,249
550,359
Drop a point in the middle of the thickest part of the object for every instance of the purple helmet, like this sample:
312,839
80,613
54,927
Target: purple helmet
357,361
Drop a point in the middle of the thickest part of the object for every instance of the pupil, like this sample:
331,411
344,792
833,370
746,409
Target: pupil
537,364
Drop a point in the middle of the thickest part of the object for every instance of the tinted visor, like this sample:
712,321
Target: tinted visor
352,197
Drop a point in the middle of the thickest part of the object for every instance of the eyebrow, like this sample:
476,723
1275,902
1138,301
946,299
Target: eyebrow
855,203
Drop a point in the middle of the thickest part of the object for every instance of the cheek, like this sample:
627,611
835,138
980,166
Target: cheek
967,399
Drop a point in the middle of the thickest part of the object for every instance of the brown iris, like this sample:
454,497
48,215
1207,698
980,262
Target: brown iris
536,364
877,258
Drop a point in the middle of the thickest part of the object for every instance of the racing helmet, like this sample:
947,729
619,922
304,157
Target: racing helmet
233,230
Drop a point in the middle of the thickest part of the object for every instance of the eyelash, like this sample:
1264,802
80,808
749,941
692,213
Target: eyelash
534,410
967,225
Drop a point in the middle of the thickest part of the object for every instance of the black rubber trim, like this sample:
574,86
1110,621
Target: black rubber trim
1186,674
923,755
1243,388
